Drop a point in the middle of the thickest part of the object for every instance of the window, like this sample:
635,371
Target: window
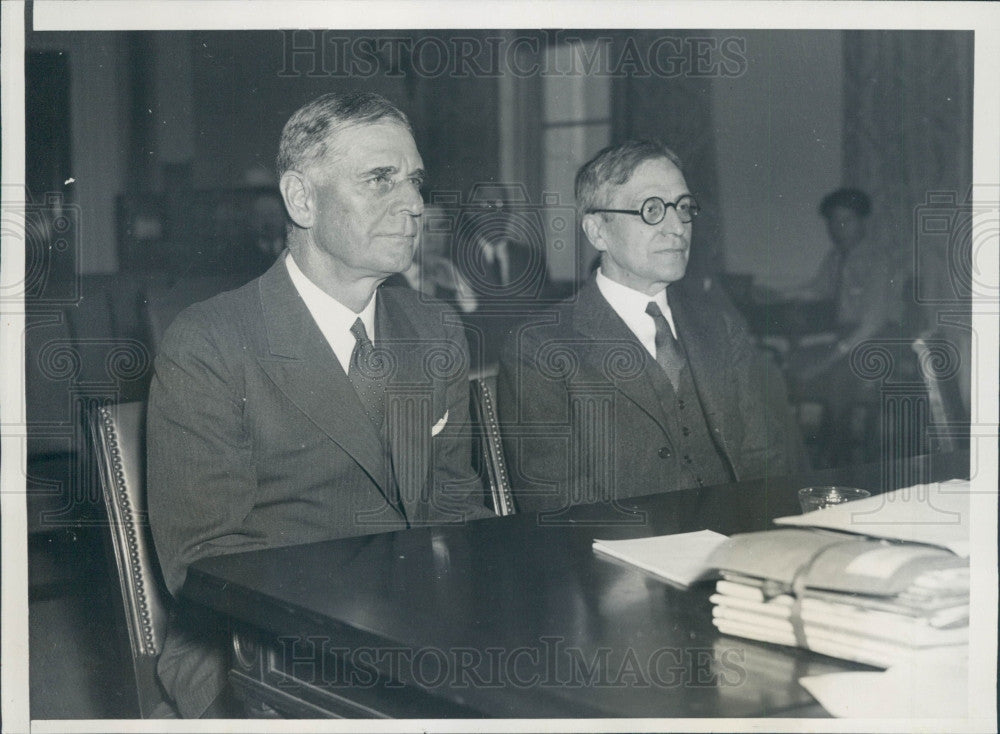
576,123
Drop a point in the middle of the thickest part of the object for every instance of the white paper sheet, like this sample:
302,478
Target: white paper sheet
936,514
679,558
932,685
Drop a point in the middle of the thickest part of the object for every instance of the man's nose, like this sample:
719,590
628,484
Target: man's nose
411,202
672,223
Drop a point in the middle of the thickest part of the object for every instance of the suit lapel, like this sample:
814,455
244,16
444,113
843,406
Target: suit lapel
703,343
410,402
302,365
700,343
594,318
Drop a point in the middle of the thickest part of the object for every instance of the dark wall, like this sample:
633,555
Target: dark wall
678,112
172,112
246,86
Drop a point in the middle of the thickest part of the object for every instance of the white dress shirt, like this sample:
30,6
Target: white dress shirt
631,305
332,317
497,251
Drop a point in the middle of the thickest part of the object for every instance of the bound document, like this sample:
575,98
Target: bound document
844,595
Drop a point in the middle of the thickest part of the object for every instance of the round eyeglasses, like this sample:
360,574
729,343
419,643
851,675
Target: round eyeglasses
654,209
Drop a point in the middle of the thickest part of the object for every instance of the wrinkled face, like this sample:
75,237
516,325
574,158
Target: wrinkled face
845,227
644,257
368,202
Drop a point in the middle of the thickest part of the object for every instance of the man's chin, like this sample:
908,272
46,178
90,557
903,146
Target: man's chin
390,269
675,273
398,259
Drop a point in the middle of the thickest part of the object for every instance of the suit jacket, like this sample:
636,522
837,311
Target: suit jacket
256,437
582,419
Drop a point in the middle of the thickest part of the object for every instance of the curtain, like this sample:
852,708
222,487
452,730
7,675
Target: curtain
908,142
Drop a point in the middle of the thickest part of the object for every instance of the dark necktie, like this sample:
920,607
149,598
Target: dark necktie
668,351
367,374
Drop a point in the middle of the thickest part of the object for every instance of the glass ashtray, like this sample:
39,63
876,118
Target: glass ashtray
819,498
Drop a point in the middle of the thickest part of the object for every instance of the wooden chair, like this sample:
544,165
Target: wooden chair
488,448
118,435
939,362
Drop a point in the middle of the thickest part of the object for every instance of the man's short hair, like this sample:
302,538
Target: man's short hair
614,166
853,199
306,136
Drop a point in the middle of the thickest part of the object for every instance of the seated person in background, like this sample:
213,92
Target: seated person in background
499,251
432,273
502,255
861,276
864,277
638,384
270,411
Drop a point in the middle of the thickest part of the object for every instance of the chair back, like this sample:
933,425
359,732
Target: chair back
489,458
939,362
118,433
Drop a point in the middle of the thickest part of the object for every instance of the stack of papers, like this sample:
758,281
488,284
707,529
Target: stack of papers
844,593
879,631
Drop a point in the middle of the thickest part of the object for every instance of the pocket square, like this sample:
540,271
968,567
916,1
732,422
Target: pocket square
439,426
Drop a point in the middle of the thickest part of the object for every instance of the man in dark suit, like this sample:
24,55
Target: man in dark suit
502,256
303,406
638,384
499,250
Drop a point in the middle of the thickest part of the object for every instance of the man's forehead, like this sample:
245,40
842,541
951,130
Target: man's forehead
652,173
654,169
379,144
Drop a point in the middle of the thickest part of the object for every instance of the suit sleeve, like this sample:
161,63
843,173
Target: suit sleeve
200,469
455,487
771,442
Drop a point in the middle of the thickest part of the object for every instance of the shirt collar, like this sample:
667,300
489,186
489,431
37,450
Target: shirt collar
319,301
493,249
630,304
333,318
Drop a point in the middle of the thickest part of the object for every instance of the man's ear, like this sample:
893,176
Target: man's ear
296,190
593,227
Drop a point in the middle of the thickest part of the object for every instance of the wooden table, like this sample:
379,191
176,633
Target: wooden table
508,617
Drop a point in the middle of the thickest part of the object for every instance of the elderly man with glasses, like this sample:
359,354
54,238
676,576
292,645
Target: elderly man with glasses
640,383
